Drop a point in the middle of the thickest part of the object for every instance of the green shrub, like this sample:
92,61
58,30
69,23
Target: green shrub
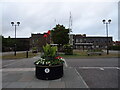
49,52
114,47
95,50
68,49
34,50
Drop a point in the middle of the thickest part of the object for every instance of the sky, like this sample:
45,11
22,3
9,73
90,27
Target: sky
39,17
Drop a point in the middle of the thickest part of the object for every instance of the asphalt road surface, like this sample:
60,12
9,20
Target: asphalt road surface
94,62
97,72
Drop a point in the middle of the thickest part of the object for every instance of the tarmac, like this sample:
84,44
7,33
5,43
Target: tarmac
25,78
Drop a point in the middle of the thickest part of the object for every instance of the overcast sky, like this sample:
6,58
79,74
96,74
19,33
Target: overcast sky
39,17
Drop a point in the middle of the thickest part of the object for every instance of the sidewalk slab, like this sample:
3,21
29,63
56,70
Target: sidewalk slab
17,85
38,84
26,79
56,84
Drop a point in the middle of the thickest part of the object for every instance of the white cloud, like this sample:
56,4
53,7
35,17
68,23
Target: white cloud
40,17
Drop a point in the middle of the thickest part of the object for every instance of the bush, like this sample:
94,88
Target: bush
114,47
95,50
68,49
34,50
49,52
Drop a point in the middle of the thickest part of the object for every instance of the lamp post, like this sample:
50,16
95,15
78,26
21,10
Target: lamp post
106,23
15,35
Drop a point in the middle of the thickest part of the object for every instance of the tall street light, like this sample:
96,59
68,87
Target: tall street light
15,35
106,23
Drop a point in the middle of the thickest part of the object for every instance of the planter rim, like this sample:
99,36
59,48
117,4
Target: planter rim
48,66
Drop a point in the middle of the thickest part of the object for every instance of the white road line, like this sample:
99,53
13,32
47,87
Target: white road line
33,69
65,63
82,78
118,68
18,69
10,64
99,68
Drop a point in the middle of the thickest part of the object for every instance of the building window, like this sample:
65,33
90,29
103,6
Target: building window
76,47
97,46
77,41
32,41
81,40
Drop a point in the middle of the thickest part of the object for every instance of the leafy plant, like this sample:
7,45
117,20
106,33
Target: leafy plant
49,51
34,48
50,56
95,50
68,49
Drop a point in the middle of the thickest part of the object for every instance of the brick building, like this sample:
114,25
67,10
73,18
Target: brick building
88,42
78,41
116,43
38,40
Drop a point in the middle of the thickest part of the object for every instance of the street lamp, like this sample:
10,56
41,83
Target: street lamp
15,35
107,22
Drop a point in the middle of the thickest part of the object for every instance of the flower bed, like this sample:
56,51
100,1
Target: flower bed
50,65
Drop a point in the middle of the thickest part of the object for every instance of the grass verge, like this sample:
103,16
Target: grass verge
83,54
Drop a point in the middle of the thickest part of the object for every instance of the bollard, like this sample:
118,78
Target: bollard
27,54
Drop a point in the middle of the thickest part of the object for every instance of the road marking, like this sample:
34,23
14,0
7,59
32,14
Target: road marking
65,63
99,68
10,64
18,69
118,68
32,69
82,78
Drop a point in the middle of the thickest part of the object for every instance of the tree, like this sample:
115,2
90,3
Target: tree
60,35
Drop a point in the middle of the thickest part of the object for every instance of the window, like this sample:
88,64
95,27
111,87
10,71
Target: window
76,40
81,40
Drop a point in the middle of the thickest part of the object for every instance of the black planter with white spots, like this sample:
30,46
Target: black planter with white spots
49,72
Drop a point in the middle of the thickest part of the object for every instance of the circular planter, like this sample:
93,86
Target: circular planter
49,72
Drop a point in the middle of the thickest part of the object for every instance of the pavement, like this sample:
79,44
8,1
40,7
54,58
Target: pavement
16,75
25,78
78,73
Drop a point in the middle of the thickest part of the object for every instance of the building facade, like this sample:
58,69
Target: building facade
22,44
38,40
77,40
90,42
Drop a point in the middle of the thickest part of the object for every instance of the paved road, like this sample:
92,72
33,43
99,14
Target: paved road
97,72
19,63
94,62
96,78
